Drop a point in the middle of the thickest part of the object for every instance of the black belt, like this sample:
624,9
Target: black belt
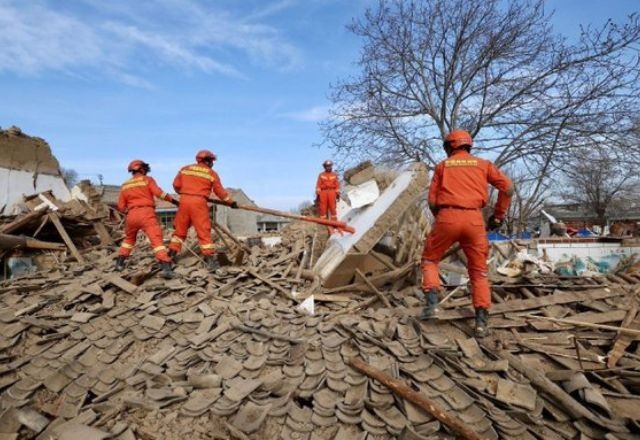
457,207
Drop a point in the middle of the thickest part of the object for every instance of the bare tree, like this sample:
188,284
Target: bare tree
70,176
530,193
597,180
528,96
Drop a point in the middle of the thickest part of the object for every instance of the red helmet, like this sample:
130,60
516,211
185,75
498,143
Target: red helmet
138,165
458,139
327,163
205,155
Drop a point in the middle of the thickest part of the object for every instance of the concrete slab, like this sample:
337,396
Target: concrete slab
371,222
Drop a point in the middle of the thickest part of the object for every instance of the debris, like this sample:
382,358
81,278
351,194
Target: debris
624,339
308,306
516,394
372,222
19,242
231,353
404,391
27,165
622,330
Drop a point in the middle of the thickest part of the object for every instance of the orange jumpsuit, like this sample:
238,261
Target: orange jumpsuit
137,201
458,192
195,183
327,190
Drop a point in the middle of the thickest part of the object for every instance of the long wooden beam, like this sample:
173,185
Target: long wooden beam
8,241
403,390
55,219
22,221
520,305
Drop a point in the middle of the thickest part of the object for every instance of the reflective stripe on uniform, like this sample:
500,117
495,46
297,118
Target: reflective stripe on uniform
199,168
126,246
207,246
159,249
198,172
134,183
460,163
175,239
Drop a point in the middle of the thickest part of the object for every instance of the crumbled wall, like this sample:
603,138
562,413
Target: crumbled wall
27,166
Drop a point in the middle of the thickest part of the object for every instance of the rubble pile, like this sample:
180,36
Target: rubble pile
87,353
269,345
52,231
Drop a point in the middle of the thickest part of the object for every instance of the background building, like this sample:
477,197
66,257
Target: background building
271,223
240,223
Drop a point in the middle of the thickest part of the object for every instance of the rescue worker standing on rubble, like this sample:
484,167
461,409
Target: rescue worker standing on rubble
457,194
195,184
137,201
327,191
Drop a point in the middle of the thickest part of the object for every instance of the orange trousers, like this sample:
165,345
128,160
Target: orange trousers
193,211
466,227
328,203
144,218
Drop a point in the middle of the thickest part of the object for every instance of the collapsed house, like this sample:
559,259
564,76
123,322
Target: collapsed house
273,345
27,166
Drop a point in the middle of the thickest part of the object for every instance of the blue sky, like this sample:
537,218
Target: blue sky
105,82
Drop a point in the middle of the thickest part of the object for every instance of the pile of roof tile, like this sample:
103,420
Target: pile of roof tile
89,354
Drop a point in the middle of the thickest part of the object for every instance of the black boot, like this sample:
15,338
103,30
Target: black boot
431,308
482,323
172,254
119,263
167,272
212,263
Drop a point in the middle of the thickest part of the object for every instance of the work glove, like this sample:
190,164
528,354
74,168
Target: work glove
494,223
234,205
175,202
316,202
337,196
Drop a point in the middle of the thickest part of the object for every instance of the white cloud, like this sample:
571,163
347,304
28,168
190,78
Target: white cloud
35,39
271,9
314,114
123,39
170,50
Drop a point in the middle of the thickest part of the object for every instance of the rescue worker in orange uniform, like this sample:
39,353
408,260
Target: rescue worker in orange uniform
137,201
457,194
327,191
195,184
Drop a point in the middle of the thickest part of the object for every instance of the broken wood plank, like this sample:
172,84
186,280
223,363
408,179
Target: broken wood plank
377,280
103,234
227,232
591,317
22,221
121,283
290,256
8,241
331,298
55,219
378,257
623,340
625,330
270,283
373,288
560,396
403,390
520,305
357,307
